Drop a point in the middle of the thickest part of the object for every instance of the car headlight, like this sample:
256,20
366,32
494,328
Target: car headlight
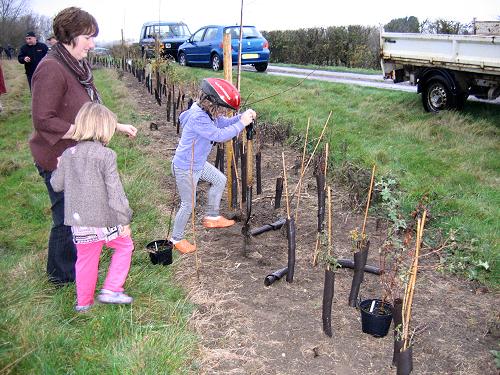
168,45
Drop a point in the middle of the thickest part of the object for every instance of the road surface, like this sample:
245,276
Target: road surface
368,80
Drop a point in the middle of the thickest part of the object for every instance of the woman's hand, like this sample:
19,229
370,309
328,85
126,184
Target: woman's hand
248,116
126,231
129,130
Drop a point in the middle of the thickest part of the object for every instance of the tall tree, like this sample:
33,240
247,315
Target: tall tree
441,26
10,13
403,25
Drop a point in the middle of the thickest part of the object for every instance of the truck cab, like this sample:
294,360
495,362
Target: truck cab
170,35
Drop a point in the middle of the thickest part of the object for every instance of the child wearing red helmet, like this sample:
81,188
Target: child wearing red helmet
202,125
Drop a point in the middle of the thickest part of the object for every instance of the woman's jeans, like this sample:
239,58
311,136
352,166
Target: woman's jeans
186,186
62,252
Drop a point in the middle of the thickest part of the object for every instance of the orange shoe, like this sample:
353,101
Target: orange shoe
184,247
219,222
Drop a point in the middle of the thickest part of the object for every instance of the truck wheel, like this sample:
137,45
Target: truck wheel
215,62
436,95
182,59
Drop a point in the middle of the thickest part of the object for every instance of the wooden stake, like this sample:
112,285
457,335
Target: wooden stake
238,181
368,202
286,186
228,76
329,191
301,170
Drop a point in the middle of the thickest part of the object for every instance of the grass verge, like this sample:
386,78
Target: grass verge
39,330
450,159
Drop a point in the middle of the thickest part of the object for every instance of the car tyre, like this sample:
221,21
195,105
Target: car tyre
182,59
216,62
261,67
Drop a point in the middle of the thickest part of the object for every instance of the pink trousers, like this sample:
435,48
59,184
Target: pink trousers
87,267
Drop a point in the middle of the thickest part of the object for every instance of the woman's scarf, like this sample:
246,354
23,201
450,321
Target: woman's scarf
80,68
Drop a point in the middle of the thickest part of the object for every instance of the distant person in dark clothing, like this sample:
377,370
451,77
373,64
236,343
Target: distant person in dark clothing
8,51
1,50
31,54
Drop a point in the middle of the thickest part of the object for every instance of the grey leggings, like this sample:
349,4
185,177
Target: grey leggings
185,186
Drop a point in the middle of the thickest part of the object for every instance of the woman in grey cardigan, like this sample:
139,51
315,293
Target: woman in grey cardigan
95,206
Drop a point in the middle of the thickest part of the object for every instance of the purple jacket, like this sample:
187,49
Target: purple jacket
199,128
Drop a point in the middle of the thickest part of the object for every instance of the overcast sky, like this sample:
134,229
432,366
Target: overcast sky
268,15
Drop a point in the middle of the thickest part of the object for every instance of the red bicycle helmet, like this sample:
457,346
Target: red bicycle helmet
221,92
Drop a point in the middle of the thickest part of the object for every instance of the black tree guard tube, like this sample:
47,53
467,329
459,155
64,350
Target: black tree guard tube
405,362
348,263
268,227
258,173
246,227
234,186
174,110
169,104
320,182
290,231
397,318
279,192
276,275
328,291
359,271
217,157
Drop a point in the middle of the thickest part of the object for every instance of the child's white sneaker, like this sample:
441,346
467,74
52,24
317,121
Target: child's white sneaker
108,296
83,309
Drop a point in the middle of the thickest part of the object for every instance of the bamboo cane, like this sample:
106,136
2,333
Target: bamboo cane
413,278
315,255
368,202
314,150
286,186
301,170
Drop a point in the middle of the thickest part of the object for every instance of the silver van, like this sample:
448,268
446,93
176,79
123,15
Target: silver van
170,34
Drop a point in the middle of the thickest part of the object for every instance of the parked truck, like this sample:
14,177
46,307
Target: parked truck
445,68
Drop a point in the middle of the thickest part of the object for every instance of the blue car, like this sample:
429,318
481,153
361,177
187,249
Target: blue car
204,47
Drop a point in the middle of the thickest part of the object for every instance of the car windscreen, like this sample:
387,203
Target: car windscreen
249,32
170,31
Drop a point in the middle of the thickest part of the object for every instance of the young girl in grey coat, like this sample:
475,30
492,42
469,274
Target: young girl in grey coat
95,206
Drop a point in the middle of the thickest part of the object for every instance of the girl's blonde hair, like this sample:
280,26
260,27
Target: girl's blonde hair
94,122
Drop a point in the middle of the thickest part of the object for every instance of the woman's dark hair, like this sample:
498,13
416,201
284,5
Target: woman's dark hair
72,22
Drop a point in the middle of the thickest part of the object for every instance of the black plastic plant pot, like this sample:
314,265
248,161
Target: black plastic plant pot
405,362
375,317
160,252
